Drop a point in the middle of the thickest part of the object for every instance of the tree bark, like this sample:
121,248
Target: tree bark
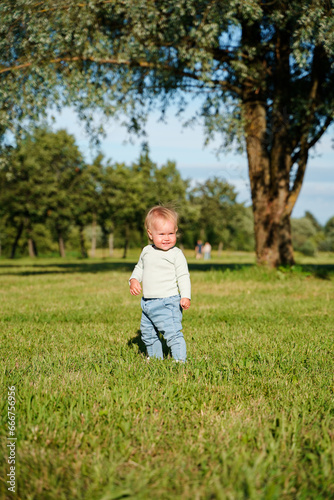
111,244
269,152
31,243
93,250
16,241
269,179
31,248
126,242
272,235
61,246
84,254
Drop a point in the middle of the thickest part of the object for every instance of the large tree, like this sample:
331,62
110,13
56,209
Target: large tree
263,69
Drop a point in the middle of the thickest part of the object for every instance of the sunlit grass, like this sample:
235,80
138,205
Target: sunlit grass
251,414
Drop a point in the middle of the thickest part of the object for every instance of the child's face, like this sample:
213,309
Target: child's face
163,234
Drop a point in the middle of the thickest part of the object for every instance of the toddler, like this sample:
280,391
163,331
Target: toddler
163,271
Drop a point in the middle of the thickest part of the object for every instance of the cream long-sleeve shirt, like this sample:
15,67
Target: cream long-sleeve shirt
162,273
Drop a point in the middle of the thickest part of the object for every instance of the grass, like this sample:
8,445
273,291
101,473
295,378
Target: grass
250,415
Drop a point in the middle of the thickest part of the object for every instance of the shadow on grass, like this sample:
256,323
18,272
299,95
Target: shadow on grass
70,267
323,271
142,348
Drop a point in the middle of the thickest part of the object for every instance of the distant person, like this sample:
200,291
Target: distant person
163,270
207,251
198,249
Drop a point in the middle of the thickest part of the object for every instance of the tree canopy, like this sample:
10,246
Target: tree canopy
49,197
263,69
47,192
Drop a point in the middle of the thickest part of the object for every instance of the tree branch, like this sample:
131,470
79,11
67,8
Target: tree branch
302,157
223,84
296,157
66,7
297,185
321,132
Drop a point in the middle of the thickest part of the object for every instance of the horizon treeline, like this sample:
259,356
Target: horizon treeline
53,202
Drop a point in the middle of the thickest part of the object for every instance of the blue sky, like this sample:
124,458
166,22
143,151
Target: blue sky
185,146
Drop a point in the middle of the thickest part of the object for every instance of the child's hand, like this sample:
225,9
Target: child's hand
135,288
185,303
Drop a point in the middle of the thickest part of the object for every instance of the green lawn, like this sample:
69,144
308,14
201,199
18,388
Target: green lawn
249,416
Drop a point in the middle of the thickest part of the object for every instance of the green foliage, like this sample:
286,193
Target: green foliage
303,230
48,193
39,183
250,415
261,70
220,218
328,243
308,236
127,193
124,55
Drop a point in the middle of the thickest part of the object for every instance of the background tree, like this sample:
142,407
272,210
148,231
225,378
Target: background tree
220,220
171,189
85,200
129,191
242,229
46,185
328,243
27,186
161,185
64,162
304,235
264,70
127,203
37,183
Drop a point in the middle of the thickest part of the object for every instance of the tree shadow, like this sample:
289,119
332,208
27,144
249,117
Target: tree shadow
322,271
142,348
66,268
207,266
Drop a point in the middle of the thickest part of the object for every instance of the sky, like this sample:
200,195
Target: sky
185,146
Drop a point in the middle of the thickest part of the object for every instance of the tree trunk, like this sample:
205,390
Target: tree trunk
269,179
61,243
272,235
35,247
125,247
61,246
126,242
31,248
84,254
16,241
269,150
111,244
31,244
93,250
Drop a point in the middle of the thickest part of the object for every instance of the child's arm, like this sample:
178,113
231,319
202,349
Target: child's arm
135,287
183,280
185,303
136,277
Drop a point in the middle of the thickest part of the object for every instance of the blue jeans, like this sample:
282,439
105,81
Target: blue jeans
164,316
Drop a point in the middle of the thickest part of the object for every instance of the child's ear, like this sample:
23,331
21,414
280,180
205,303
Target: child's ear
149,234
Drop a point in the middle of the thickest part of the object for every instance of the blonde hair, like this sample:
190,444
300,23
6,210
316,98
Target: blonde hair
160,212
